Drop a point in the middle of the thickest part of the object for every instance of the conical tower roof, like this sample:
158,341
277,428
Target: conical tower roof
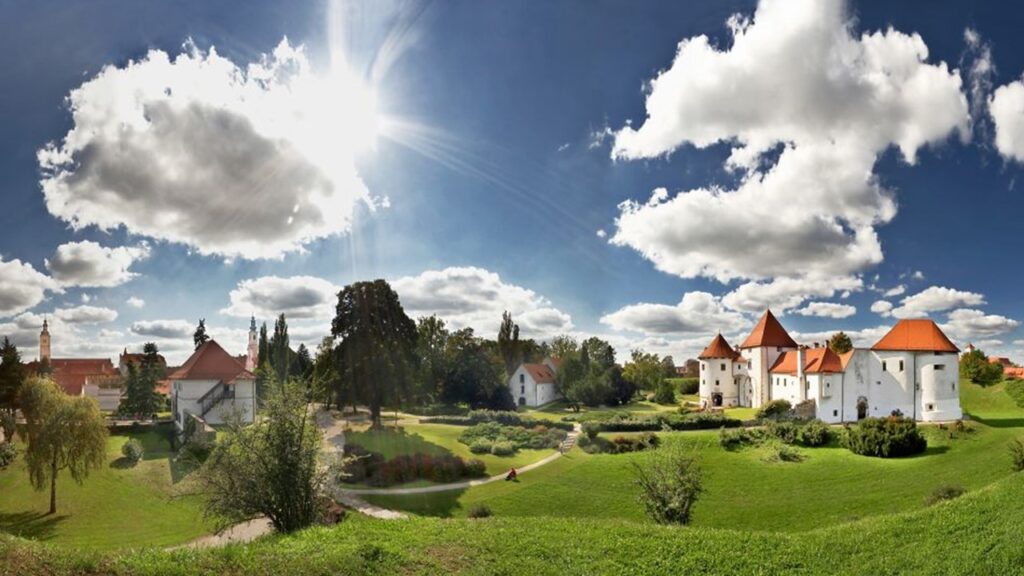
918,335
768,332
718,348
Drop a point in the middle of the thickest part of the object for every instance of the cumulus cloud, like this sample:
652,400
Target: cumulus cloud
247,162
86,315
89,264
861,338
1006,107
169,329
882,307
827,310
294,296
785,293
474,297
966,324
22,287
895,291
935,299
697,312
798,83
135,302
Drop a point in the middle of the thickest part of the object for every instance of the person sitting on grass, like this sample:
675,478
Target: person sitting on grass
511,474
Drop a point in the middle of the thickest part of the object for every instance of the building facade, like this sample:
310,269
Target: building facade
534,384
210,385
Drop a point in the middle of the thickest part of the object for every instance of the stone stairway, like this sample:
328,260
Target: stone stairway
569,441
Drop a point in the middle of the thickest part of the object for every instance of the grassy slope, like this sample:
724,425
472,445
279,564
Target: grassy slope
115,506
977,534
742,492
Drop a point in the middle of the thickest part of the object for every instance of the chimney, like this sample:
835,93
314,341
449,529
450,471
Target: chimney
801,353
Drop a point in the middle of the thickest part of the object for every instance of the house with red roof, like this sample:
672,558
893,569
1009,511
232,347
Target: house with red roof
210,385
95,378
914,369
534,384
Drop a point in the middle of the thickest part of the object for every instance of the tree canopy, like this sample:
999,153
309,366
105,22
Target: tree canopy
840,343
12,376
975,366
200,337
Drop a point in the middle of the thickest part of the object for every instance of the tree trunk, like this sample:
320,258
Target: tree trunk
53,486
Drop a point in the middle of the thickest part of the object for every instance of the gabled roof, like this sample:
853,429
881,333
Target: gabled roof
72,374
211,362
915,335
768,332
718,348
541,373
816,361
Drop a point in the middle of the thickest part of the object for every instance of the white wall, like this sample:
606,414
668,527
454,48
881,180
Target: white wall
718,376
522,385
188,393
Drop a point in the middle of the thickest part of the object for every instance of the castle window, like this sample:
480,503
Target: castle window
939,367
901,365
716,382
883,366
749,364
723,366
522,378
835,412
954,386
929,407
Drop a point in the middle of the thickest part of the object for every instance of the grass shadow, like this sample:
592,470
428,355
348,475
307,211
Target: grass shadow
999,422
32,525
123,463
438,504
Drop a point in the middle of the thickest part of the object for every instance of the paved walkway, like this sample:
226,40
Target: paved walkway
244,532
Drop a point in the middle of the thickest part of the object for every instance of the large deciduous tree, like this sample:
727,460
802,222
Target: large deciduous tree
140,396
12,376
324,377
644,370
431,350
508,343
840,343
64,433
377,343
975,366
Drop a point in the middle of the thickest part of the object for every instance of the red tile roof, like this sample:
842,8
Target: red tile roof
1014,372
915,335
816,361
72,374
768,332
1000,360
211,362
718,348
540,373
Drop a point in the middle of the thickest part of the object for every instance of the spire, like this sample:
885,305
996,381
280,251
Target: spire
768,332
252,323
46,325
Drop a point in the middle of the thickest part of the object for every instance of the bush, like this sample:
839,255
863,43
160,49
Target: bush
439,410
785,432
814,433
476,468
687,385
695,421
665,394
479,511
591,429
890,437
735,438
669,487
481,446
774,409
1015,388
946,492
8,425
506,418
372,468
538,437
503,448
1017,454
8,452
779,452
132,451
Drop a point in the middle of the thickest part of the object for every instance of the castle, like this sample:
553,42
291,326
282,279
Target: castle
914,369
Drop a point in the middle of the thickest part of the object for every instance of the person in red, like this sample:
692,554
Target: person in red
511,474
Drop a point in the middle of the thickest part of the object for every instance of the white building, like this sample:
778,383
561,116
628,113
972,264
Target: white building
534,384
914,368
211,384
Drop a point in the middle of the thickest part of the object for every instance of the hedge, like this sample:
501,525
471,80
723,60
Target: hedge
885,437
696,421
373,469
501,417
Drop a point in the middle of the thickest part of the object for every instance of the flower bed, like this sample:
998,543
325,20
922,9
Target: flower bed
373,469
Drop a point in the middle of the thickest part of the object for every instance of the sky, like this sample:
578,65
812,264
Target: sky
651,173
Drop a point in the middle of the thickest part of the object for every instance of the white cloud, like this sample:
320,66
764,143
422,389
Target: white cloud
795,81
895,291
135,302
861,338
601,233
784,293
935,299
966,324
697,312
22,287
168,329
474,297
89,264
1006,107
827,310
882,308
86,315
295,297
977,61
247,162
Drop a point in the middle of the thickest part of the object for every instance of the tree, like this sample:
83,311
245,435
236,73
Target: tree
377,343
569,377
474,375
269,467
324,374
670,484
280,350
303,363
431,350
668,366
840,343
508,343
562,346
665,393
622,390
200,337
263,353
975,366
141,398
64,433
12,376
644,370
599,352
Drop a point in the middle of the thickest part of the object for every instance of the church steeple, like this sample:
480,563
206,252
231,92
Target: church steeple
44,342
252,352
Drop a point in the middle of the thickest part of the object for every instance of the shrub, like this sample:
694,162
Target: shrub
8,452
538,437
665,394
506,418
1015,388
669,487
774,409
479,511
734,438
591,429
439,410
132,451
885,437
780,452
372,468
8,425
503,448
687,385
1017,454
481,446
945,492
814,433
785,432
619,444
695,421
476,468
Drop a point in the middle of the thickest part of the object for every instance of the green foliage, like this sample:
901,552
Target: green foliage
644,370
890,437
943,493
686,386
620,444
479,511
323,379
475,468
694,421
539,437
783,431
774,409
199,337
665,393
8,425
372,468
8,452
563,346
782,452
269,467
670,485
1017,454
840,343
508,343
141,400
814,433
506,417
1015,388
975,366
64,433
503,448
132,451
481,446
280,349
591,429
12,375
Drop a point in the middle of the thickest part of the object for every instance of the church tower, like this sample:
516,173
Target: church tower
252,354
44,343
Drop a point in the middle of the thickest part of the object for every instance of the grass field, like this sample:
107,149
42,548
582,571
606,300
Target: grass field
116,507
976,534
831,486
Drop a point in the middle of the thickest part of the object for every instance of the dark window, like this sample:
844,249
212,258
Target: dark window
522,378
929,407
940,367
723,366
954,386
835,412
522,389
883,366
716,382
901,365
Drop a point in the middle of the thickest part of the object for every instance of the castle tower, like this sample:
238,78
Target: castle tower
252,353
767,341
44,343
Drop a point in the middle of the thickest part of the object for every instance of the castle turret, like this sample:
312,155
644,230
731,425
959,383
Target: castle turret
252,352
44,342
767,341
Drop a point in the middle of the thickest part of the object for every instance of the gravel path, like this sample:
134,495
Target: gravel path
244,532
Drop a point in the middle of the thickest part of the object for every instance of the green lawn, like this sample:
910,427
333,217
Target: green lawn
558,410
831,486
410,438
115,507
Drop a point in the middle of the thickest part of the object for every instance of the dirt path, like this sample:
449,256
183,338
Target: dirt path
244,532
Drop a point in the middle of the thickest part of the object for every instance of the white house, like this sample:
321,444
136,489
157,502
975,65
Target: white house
209,385
534,384
914,368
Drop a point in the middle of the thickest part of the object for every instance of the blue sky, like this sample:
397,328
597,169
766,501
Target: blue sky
813,157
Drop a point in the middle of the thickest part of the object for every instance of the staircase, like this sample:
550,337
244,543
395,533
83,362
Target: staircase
569,441
214,396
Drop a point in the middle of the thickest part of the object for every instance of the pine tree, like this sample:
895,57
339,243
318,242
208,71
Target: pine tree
12,376
280,352
508,343
200,337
